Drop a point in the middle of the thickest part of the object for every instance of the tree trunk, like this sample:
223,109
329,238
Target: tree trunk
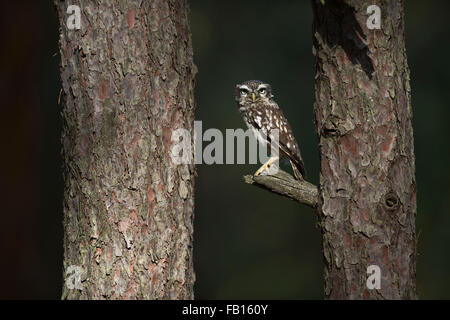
367,196
128,79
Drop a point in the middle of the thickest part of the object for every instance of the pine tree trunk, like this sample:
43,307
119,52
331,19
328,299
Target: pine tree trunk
128,79
367,197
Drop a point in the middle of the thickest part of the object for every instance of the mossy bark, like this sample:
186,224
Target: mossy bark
128,79
367,193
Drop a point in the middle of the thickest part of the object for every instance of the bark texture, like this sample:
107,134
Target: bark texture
128,79
286,185
367,193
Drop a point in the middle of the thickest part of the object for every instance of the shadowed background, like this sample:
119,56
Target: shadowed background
249,243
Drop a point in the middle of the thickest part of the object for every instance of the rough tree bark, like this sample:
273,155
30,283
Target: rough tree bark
128,78
286,185
367,197
367,194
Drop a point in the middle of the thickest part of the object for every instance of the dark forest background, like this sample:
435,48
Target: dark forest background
249,243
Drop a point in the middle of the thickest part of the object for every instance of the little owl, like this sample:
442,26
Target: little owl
262,114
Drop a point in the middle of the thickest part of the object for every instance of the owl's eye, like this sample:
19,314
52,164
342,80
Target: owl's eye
262,91
243,92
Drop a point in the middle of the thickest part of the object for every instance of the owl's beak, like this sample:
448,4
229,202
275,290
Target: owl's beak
253,97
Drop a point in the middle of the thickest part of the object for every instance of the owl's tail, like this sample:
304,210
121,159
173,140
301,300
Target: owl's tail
299,170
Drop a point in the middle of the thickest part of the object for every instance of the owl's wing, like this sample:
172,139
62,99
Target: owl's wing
292,152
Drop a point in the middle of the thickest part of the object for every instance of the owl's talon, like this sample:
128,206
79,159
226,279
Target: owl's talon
259,171
266,167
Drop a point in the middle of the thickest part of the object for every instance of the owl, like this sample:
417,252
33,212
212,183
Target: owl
262,114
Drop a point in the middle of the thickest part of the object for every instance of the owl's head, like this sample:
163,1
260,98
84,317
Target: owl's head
252,91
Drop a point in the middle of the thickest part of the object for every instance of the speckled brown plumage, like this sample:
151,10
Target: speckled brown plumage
262,114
